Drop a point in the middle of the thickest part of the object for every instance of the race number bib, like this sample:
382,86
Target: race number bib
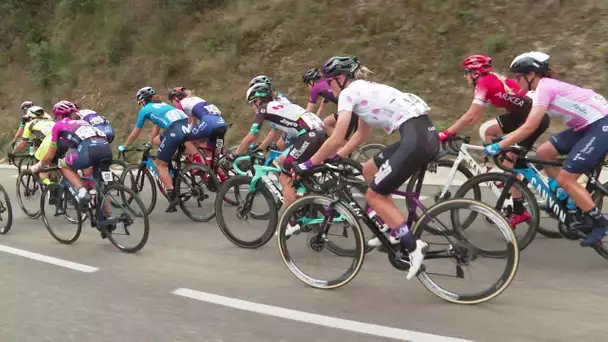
312,121
416,104
175,115
86,132
213,110
97,120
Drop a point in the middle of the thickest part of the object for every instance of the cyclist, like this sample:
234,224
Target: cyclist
174,122
375,104
585,141
98,121
24,107
305,129
36,129
205,119
504,93
89,147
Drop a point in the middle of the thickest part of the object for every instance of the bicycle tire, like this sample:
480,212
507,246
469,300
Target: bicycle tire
528,196
6,206
45,194
365,148
20,184
552,234
135,199
211,184
512,253
28,162
122,164
359,256
137,183
411,186
221,220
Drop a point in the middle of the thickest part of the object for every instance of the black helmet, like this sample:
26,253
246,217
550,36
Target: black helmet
145,94
179,92
260,79
530,62
259,91
340,65
311,75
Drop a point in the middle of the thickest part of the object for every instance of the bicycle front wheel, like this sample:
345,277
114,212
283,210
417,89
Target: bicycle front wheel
198,186
450,273
28,188
127,226
55,203
6,211
323,269
140,180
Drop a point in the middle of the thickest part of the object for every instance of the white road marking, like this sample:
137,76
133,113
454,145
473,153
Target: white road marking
48,259
327,321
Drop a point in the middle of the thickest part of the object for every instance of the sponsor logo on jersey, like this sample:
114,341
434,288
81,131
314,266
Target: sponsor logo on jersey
514,99
288,123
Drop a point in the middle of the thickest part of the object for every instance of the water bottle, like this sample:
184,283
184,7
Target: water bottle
371,213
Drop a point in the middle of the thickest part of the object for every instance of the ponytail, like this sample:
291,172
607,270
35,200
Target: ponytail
362,73
549,73
503,79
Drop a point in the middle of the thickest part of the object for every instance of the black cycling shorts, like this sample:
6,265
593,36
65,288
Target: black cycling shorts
304,147
585,148
418,145
509,122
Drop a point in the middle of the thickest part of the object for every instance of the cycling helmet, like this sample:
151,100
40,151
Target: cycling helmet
25,105
340,65
177,92
145,94
311,75
477,65
34,112
259,91
64,108
533,61
260,79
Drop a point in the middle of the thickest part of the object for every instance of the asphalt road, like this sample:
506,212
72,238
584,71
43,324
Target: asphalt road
189,283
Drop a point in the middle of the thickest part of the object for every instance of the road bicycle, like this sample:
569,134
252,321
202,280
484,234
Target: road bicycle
195,182
572,223
345,213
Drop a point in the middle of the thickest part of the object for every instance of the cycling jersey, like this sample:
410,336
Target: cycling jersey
161,114
579,107
288,117
98,121
321,88
195,106
381,105
490,89
74,132
25,119
37,129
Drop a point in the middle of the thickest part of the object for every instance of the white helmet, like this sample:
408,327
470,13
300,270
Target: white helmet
34,112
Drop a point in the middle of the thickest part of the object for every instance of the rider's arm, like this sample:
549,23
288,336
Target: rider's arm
20,146
273,135
249,139
19,133
363,131
312,100
474,114
141,119
321,108
336,140
50,153
155,132
192,121
133,136
525,130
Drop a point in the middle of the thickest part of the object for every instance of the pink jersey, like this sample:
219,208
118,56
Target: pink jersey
74,131
577,106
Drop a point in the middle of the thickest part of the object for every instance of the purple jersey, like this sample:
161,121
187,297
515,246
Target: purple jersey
74,132
321,88
93,117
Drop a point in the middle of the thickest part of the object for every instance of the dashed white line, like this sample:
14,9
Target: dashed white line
48,259
327,321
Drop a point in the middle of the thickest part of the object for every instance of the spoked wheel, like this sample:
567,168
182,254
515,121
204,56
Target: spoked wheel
237,222
449,263
140,180
61,214
525,231
25,162
197,192
28,190
6,212
312,262
126,224
366,152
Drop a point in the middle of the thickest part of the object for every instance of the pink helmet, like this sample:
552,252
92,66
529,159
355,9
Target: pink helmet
64,108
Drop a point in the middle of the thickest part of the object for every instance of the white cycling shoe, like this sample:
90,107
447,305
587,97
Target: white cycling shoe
416,258
295,229
375,242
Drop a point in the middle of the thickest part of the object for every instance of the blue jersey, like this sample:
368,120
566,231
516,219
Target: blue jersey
161,114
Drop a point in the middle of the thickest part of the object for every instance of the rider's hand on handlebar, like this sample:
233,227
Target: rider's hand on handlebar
491,150
334,157
148,145
301,168
231,157
445,134
122,148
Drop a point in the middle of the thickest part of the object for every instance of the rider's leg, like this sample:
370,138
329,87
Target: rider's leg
329,123
78,159
490,129
169,143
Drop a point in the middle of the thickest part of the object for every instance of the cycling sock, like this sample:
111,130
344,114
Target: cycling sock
596,216
405,236
518,206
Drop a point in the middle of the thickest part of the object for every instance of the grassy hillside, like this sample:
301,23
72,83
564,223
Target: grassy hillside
99,52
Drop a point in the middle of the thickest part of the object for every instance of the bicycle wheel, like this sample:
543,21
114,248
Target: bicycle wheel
27,188
121,231
441,172
141,181
25,162
118,167
6,211
237,227
345,219
366,152
547,213
59,200
462,254
524,236
197,187
598,197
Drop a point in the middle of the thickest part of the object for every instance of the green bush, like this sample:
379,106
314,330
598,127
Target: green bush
495,43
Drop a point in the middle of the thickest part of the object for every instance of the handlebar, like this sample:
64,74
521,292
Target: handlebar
449,144
146,148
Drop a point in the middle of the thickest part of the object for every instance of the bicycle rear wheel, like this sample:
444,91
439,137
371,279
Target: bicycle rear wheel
61,199
27,187
462,254
198,186
6,211
140,180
